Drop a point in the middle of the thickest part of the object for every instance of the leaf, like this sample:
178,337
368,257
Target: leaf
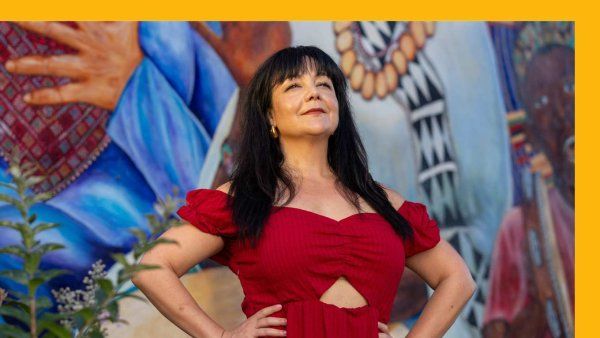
86,313
33,180
122,321
95,333
43,302
43,227
119,257
154,223
106,285
41,197
129,295
113,310
49,274
165,241
22,208
140,250
21,227
32,263
9,200
50,321
100,295
10,186
16,297
47,247
8,224
78,319
35,283
155,242
18,276
27,170
140,234
141,267
16,313
11,331
16,250
130,271
56,329
54,316
27,237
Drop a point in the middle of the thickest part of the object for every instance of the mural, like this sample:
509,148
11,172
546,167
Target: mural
473,119
532,274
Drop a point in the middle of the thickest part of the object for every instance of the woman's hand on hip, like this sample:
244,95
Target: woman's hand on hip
259,325
385,331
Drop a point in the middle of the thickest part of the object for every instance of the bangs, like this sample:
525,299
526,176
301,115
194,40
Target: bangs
294,62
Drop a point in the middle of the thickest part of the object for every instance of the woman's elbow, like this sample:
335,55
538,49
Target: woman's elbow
464,281
467,282
470,286
137,280
141,276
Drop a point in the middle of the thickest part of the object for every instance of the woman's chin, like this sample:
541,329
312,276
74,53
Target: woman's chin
316,127
315,132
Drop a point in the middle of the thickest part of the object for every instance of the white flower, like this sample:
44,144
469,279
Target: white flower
70,301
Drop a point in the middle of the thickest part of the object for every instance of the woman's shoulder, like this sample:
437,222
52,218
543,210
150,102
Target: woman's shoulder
395,198
425,228
225,187
407,207
208,197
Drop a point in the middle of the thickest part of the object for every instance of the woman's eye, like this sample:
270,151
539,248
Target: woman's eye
293,85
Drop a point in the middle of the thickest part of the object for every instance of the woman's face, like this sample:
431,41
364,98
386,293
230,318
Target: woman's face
306,105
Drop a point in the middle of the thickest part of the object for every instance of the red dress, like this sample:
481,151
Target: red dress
301,254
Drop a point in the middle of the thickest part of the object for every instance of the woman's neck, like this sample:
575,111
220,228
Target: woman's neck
307,158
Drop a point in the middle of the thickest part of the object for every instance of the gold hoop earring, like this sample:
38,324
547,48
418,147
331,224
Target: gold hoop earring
273,131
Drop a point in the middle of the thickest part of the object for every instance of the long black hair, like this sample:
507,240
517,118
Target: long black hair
258,174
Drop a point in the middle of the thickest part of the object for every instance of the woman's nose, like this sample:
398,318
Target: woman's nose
312,92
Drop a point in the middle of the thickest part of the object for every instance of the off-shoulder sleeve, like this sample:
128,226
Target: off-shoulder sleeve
207,210
426,233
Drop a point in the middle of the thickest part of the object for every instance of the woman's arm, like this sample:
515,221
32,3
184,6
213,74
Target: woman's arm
163,287
444,270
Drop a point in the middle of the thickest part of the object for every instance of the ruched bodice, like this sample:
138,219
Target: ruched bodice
301,254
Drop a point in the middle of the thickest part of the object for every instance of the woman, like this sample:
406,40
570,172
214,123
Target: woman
318,245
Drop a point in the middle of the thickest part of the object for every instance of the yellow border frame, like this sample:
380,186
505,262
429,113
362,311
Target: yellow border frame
586,41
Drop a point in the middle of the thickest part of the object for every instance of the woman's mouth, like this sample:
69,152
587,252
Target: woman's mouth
314,111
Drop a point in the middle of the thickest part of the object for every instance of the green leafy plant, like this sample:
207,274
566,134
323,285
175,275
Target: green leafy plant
27,308
81,313
86,310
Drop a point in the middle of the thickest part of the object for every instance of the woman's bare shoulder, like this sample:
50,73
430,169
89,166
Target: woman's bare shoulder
225,187
393,196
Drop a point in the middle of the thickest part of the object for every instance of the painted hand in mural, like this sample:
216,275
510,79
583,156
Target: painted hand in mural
107,54
541,164
243,46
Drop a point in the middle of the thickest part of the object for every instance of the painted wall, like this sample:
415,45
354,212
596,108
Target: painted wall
456,115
